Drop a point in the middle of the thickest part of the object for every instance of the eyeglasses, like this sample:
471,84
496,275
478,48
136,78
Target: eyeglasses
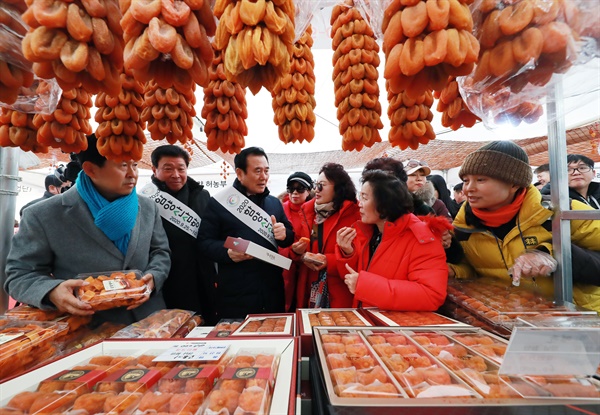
580,169
319,186
299,189
411,164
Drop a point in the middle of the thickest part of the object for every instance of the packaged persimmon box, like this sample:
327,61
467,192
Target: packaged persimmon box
161,324
267,325
80,381
111,289
138,380
246,385
181,390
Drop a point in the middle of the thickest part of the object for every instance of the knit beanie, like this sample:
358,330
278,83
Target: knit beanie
502,160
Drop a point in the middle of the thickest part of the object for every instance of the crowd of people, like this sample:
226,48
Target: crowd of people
391,244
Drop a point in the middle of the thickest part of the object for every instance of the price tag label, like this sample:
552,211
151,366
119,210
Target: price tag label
199,332
186,352
5,338
112,285
552,351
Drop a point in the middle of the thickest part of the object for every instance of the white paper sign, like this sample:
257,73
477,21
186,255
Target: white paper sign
192,351
199,332
552,351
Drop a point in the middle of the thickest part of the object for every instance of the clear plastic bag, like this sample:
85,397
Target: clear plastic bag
520,56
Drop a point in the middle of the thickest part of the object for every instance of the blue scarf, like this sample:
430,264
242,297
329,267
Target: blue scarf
117,218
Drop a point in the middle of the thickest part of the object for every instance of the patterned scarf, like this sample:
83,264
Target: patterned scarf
323,211
117,218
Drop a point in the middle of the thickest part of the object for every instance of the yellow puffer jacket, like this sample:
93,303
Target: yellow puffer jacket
488,256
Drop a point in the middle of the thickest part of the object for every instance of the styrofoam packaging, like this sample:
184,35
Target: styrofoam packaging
411,318
106,290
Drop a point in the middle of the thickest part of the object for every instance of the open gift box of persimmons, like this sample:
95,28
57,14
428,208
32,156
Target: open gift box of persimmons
253,376
377,366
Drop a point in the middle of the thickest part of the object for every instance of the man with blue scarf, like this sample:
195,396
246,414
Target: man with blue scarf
99,225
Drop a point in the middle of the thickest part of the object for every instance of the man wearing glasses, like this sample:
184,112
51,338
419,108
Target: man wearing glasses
581,187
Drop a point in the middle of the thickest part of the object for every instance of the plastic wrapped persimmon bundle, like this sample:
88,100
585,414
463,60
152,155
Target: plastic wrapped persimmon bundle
294,95
355,77
67,127
455,112
15,70
17,130
225,110
523,44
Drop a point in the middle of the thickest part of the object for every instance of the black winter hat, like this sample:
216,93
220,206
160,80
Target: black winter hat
502,160
302,178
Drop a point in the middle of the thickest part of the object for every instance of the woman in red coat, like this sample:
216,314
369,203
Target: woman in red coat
334,207
299,187
392,259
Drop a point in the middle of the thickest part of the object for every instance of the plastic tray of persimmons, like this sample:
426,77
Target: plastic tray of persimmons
405,367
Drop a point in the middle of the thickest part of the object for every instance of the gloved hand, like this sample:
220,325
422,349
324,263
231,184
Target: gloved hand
532,264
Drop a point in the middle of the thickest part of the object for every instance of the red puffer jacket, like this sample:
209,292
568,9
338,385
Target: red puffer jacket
408,271
339,296
290,276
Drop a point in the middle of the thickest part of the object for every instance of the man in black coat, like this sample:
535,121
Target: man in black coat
53,187
245,285
183,289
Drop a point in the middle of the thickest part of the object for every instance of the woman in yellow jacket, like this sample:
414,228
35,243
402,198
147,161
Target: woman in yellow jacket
506,231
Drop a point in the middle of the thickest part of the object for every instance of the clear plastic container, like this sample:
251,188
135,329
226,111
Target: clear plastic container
246,385
111,289
25,343
161,324
26,312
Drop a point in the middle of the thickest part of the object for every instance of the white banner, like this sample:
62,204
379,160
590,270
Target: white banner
173,210
248,212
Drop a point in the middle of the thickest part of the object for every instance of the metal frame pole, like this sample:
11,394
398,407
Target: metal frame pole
561,226
9,171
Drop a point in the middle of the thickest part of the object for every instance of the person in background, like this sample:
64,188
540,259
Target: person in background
542,173
420,208
459,199
244,285
442,194
581,187
53,187
299,188
506,230
99,225
426,194
171,186
416,173
392,259
319,283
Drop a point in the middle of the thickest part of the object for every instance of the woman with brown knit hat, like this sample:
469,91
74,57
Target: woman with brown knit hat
506,231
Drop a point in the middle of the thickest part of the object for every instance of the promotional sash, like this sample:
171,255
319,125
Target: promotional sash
172,210
248,212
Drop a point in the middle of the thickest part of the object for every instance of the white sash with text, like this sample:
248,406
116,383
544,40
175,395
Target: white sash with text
173,210
248,212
